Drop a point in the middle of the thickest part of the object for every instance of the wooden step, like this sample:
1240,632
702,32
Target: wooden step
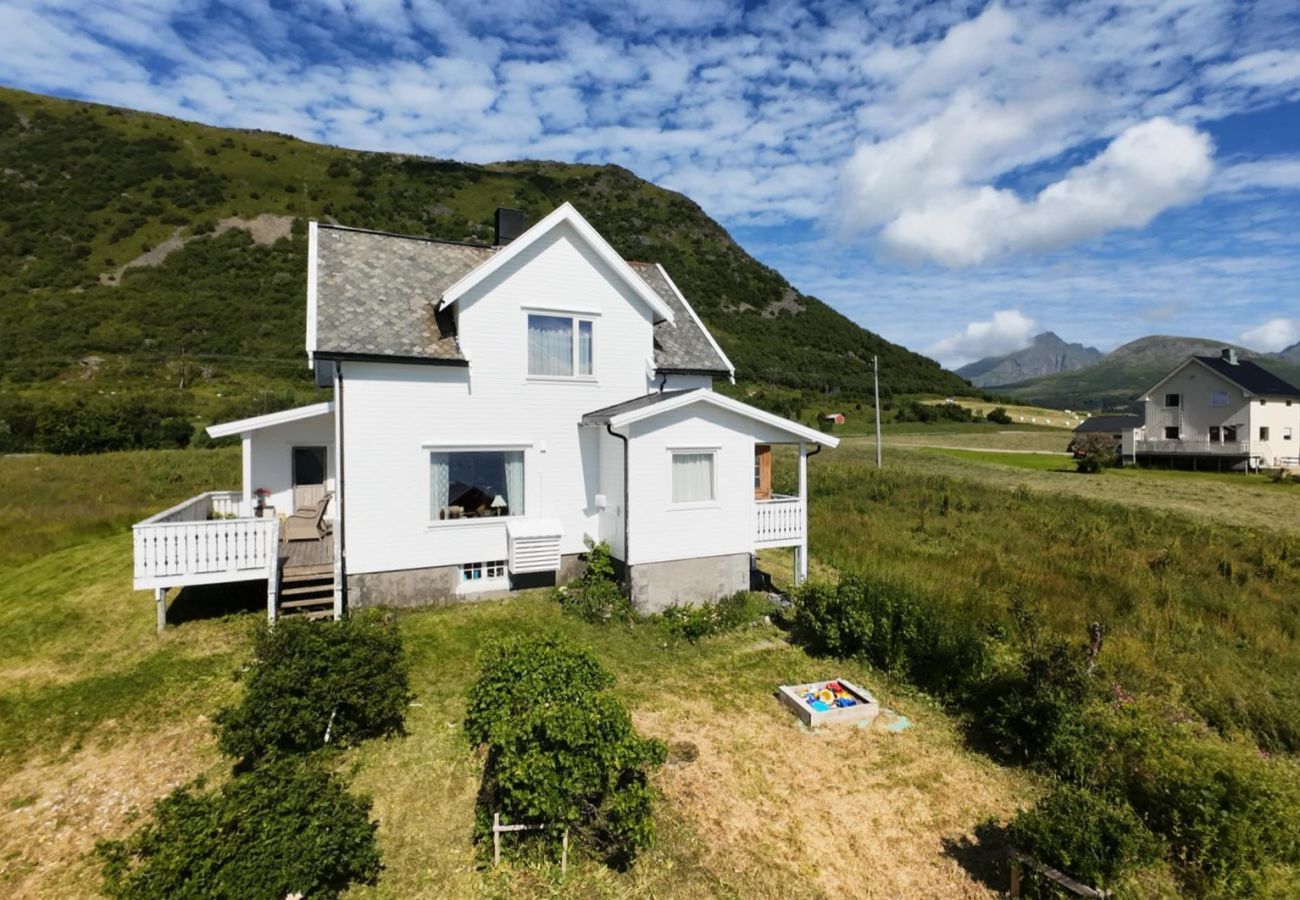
289,572
326,588
319,614
308,601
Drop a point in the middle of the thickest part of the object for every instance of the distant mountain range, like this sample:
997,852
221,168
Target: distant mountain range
1047,355
1117,379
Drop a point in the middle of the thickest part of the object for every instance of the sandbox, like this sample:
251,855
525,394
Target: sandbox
834,702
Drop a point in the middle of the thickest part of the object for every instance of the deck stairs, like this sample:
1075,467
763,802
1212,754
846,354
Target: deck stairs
307,591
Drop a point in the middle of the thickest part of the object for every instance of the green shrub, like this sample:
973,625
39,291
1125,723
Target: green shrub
346,679
694,622
285,828
1084,835
888,626
999,415
595,596
561,750
1032,709
1093,452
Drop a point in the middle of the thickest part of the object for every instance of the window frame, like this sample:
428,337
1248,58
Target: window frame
713,502
429,447
482,575
576,318
1178,404
1264,432
1216,394
1287,432
1177,434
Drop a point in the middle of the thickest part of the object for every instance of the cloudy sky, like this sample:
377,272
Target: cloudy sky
955,176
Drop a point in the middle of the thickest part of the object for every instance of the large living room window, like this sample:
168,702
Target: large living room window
476,484
560,346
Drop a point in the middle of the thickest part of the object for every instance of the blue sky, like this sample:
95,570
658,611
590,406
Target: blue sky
955,176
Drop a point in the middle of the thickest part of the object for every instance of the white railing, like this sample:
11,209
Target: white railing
1198,448
194,543
778,522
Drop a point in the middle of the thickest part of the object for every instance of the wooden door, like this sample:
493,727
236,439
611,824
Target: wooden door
308,477
762,472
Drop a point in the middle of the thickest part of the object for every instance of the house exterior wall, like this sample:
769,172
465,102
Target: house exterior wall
271,459
656,586
1195,383
1277,414
687,382
394,415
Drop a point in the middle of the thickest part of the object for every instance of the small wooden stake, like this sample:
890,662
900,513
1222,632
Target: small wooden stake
1015,879
564,852
496,839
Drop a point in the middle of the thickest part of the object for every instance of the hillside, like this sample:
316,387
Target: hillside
1046,355
142,254
1121,375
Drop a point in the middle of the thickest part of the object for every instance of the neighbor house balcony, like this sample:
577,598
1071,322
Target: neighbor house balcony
1193,448
779,521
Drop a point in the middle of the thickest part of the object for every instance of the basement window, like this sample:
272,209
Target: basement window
482,571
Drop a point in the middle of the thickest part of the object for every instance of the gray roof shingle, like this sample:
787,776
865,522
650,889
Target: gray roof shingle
604,415
1251,377
376,293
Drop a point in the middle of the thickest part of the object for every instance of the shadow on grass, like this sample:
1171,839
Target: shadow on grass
983,857
213,601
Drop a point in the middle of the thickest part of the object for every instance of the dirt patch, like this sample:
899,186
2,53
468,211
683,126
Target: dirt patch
838,812
53,812
264,229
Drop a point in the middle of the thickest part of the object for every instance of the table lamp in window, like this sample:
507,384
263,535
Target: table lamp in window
498,503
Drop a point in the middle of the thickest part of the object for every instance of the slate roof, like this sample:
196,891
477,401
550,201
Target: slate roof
682,345
1251,377
376,293
603,416
1109,424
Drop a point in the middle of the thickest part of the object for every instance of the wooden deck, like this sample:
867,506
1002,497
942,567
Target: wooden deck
297,556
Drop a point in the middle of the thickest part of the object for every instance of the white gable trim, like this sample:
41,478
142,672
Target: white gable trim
1146,395
312,248
226,429
691,312
563,213
701,395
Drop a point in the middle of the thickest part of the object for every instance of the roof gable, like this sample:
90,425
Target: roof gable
283,417
563,214
1247,376
650,405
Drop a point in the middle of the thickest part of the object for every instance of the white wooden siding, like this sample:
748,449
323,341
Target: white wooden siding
392,413
271,460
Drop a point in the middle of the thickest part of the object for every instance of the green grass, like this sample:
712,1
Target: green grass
56,501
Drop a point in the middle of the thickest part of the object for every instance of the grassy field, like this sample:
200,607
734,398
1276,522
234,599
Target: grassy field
99,717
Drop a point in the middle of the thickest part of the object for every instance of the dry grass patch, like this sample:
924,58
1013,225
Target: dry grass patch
784,812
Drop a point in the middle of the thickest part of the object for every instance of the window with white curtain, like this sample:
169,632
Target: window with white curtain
693,476
560,346
476,484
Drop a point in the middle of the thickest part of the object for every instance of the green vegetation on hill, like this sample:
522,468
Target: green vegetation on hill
90,189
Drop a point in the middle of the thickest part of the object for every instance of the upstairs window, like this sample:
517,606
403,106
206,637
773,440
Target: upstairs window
560,346
1263,432
1218,398
1286,434
1173,401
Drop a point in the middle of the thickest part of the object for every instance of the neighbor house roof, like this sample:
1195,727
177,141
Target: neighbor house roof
283,417
1109,424
375,295
650,405
1250,376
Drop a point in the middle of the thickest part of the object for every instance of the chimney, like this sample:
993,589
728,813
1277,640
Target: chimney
1228,355
509,225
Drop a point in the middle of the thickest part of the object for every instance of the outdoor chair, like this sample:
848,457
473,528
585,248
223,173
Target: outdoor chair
308,524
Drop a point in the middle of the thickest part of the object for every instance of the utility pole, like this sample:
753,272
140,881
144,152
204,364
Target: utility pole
875,372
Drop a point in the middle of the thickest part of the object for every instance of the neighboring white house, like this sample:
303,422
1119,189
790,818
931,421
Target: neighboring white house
494,410
1217,412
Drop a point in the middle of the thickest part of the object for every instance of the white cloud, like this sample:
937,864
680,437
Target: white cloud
1009,330
1273,335
1149,168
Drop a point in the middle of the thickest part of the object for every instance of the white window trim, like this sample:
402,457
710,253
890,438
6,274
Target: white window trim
484,584
473,447
1224,395
715,503
574,316
1169,394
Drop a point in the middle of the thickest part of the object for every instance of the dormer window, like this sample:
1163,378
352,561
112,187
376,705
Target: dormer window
560,346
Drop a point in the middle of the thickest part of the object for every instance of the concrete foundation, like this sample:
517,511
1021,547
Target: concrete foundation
436,586
688,582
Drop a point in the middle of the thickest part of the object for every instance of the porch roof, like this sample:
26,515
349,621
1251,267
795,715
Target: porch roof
225,429
651,405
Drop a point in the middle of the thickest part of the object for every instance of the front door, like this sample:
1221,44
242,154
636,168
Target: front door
762,472
308,477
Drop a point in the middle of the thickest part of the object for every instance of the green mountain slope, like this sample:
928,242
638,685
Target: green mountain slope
206,313
1117,380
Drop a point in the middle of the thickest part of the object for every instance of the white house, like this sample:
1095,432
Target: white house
494,410
1218,412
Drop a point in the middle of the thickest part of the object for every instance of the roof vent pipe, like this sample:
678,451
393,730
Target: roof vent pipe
1228,355
509,225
